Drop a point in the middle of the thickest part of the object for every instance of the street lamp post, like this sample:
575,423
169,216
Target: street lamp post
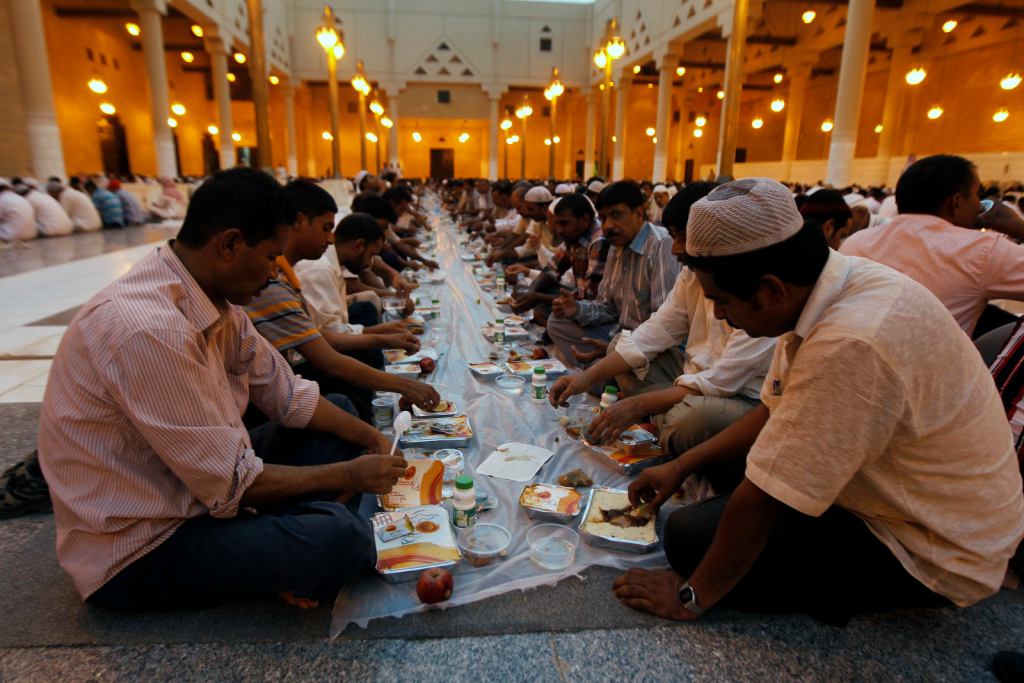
505,125
333,43
522,113
551,94
363,88
613,48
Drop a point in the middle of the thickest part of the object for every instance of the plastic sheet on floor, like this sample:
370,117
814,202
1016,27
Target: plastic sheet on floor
496,418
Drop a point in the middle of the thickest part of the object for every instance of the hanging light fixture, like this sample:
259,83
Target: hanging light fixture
916,76
187,57
237,137
326,135
172,122
826,126
1010,80
777,78
97,86
372,137
636,69
720,94
386,121
107,108
600,59
778,104
240,58
757,123
949,25
680,71
178,109
197,30
556,139
231,77
512,139
935,112
650,132
416,137
547,142
376,107
1001,115
808,16
274,80
463,137
878,128
700,121
212,129
698,132
505,124
133,29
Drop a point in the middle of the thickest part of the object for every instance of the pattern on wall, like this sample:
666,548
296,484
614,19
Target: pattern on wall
443,62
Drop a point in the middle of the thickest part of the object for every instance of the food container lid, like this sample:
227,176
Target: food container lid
484,540
464,482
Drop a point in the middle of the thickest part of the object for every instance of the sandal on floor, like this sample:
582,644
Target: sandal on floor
23,489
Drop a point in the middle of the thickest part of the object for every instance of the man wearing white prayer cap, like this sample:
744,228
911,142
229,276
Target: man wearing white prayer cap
17,220
879,472
862,216
594,188
563,189
656,204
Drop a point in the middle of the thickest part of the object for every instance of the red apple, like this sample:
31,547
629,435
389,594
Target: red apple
435,585
427,365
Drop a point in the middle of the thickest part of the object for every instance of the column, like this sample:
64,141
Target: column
291,141
798,78
895,98
567,143
588,141
622,86
151,22
44,144
218,52
306,106
393,152
729,130
682,134
493,134
665,75
852,70
258,73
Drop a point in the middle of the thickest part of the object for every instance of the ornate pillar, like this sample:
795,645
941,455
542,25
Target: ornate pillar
729,130
46,155
666,73
798,78
622,87
291,142
588,141
493,135
394,155
218,52
892,113
151,22
852,71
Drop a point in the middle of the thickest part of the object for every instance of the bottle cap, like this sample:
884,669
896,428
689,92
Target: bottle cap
611,390
464,482
499,321
539,370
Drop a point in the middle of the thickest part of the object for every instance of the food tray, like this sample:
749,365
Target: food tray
420,436
486,369
612,543
403,559
410,370
552,366
638,451
419,413
536,509
511,332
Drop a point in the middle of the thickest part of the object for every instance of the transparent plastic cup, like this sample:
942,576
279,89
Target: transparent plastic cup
552,546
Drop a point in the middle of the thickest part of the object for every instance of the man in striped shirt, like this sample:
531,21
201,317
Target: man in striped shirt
161,496
110,207
638,277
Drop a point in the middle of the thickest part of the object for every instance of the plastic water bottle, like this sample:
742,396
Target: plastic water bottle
500,284
539,385
464,502
499,331
610,396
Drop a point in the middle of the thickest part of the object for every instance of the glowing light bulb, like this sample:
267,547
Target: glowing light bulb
376,108
237,137
680,70
327,37
339,51
650,132
600,59
827,125
935,112
197,30
808,16
240,58
698,132
700,121
615,48
777,78
757,123
547,142
326,135
949,26
231,77
778,104
274,80
132,28
97,86
178,109
188,57
1001,116
172,122
107,108
416,137
212,129
720,94
505,124
915,76
636,69
556,139
386,122
463,137
878,128
372,137
1010,81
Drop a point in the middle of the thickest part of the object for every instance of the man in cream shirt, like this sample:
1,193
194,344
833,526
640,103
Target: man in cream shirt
880,472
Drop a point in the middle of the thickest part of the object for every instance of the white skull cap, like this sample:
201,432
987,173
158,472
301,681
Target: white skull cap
741,217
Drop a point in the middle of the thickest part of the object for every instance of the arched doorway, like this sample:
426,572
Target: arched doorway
113,145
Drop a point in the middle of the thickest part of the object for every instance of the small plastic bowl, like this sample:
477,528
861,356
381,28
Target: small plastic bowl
484,543
552,546
510,384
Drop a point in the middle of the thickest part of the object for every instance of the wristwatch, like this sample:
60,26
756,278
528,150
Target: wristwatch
688,597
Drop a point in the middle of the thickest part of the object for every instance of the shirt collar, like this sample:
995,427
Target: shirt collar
641,238
824,293
197,306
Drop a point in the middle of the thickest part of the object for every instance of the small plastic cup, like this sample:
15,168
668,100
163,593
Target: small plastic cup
510,384
552,546
484,543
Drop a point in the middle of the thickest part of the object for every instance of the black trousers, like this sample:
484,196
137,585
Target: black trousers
831,566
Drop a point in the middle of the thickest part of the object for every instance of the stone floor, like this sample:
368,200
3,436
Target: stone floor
573,631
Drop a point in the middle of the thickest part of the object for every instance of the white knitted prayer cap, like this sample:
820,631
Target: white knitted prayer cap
595,186
854,199
740,217
538,195
564,189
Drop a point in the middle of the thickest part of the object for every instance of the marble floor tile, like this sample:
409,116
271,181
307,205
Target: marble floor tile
38,341
14,373
24,393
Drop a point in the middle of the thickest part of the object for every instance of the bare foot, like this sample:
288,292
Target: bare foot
656,592
301,603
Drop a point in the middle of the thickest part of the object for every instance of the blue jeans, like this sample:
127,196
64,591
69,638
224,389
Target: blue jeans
310,547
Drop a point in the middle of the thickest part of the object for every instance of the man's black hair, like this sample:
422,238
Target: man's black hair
375,205
90,186
677,212
826,205
929,182
310,199
798,261
578,204
397,194
248,200
622,192
356,226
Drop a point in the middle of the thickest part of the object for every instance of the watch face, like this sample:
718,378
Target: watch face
686,595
